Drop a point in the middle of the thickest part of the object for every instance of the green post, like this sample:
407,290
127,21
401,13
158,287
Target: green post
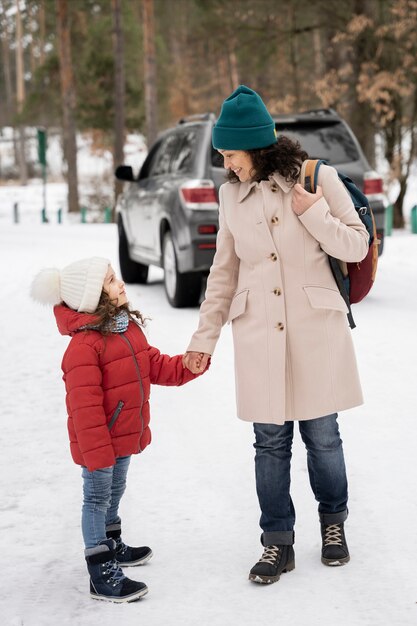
41,132
389,216
43,216
59,215
414,219
83,211
16,213
107,215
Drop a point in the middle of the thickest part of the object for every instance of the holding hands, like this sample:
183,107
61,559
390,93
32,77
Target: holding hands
196,362
303,200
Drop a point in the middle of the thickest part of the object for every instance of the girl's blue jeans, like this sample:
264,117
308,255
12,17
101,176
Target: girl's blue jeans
102,491
326,468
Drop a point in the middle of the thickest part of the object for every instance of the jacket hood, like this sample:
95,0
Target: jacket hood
70,321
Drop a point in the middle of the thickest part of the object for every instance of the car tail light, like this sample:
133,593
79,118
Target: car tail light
207,246
199,194
207,229
372,184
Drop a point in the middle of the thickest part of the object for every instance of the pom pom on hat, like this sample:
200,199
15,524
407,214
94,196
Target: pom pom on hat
79,284
46,286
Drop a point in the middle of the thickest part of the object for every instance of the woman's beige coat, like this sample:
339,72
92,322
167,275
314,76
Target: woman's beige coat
294,357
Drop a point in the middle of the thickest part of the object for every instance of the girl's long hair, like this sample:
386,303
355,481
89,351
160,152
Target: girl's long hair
285,157
107,310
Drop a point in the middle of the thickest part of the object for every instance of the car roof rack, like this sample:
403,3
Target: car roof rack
312,116
197,117
323,112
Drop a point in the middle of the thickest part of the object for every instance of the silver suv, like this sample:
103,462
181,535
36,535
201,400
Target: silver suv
168,216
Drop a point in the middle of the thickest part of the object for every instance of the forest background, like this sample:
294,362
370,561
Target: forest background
111,67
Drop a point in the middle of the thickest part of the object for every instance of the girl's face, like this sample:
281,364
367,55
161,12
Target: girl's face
114,287
240,162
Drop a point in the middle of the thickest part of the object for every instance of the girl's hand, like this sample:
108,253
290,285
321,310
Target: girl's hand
196,362
303,200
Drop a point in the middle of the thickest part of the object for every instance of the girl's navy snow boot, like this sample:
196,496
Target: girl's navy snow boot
107,581
127,555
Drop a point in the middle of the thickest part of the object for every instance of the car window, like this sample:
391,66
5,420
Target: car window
161,163
330,142
184,159
216,158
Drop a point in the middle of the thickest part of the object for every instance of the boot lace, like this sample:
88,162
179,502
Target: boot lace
333,535
114,573
120,546
270,555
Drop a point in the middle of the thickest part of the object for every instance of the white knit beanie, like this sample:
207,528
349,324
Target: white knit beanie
79,284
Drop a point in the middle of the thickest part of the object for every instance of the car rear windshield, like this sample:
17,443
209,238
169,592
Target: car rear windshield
330,142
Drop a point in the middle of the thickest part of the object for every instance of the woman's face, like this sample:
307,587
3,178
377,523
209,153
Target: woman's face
240,162
114,287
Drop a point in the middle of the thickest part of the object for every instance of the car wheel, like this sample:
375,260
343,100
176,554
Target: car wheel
132,272
181,289
381,245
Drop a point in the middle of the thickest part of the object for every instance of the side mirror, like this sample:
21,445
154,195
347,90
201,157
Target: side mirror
124,172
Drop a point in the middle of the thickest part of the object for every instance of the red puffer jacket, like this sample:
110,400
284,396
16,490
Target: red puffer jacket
108,381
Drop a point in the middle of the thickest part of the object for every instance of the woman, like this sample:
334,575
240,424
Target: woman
294,357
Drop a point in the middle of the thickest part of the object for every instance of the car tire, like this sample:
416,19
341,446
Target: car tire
381,245
132,271
182,290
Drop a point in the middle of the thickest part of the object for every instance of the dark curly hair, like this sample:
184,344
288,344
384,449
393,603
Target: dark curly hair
285,157
106,312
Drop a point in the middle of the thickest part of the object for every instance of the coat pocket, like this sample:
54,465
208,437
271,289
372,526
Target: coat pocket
238,305
325,298
116,414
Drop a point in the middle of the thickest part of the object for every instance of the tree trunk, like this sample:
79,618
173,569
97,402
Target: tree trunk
20,96
360,117
234,71
398,216
8,85
42,30
294,56
119,94
68,102
150,71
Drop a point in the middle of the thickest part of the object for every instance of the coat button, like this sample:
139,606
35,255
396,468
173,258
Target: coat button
280,326
277,291
273,256
275,219
274,189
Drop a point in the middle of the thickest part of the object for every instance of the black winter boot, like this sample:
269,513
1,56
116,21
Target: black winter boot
107,581
334,549
274,561
126,555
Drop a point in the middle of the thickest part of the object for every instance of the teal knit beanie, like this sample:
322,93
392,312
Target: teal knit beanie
244,122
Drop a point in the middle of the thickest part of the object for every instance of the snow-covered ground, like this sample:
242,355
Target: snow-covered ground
191,495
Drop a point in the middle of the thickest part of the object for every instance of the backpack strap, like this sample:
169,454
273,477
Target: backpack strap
309,174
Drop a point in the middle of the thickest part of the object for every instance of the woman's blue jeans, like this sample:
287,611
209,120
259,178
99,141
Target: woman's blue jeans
102,491
326,468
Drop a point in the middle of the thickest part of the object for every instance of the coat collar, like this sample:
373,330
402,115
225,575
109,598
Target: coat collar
275,178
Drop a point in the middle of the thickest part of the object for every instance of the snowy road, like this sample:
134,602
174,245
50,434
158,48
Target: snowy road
191,496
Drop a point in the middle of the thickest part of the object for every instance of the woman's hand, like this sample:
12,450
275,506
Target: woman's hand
303,200
195,361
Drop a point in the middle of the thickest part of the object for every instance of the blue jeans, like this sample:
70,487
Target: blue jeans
103,490
326,468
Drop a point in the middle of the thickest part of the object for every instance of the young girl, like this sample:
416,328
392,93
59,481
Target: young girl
108,369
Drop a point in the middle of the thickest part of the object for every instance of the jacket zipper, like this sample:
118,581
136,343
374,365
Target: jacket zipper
116,414
126,340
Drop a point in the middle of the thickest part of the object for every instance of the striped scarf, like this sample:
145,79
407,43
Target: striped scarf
118,324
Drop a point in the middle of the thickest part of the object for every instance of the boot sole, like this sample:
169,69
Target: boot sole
267,580
131,598
335,562
136,563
